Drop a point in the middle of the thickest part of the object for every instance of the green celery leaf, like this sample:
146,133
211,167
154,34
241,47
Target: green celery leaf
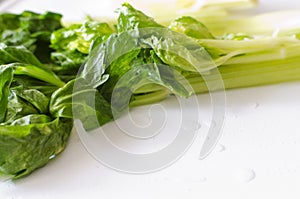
40,73
26,148
32,83
33,96
68,62
191,27
6,77
18,37
31,119
130,18
178,50
79,36
34,22
10,54
17,107
80,101
9,21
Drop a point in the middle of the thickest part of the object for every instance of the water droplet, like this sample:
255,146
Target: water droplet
283,142
245,175
210,123
199,179
295,142
254,105
52,156
220,148
192,126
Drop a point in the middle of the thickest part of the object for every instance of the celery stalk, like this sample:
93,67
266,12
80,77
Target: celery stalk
236,76
258,62
257,74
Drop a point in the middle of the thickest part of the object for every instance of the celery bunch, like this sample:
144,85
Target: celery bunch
135,61
254,56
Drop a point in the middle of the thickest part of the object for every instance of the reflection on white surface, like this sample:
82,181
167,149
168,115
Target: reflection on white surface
244,175
220,148
265,140
125,147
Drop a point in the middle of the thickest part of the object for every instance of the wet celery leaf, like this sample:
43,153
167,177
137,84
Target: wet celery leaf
80,101
9,21
72,44
25,148
30,29
191,27
6,77
79,36
130,18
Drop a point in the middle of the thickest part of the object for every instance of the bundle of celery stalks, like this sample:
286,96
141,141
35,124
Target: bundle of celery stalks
41,60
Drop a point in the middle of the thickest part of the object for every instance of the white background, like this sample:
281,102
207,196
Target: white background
257,157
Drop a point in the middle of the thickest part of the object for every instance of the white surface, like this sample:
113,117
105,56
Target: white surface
258,156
